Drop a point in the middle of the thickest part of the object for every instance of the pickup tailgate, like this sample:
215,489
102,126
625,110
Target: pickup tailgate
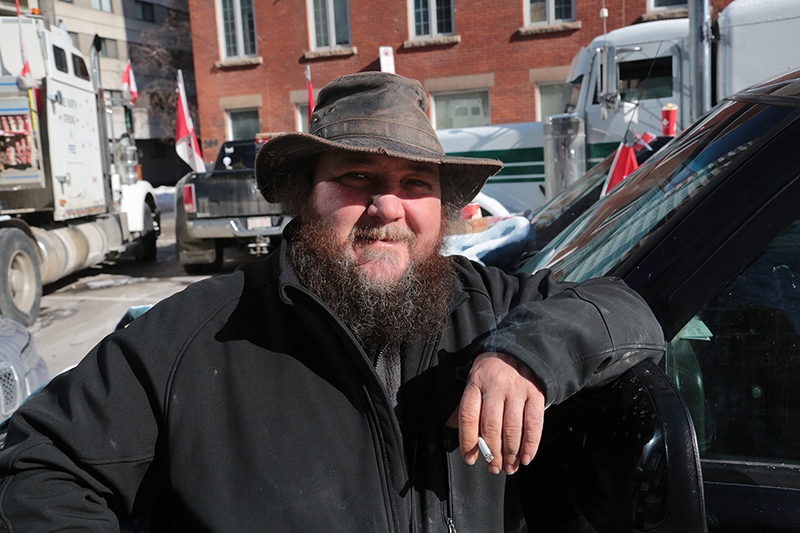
231,193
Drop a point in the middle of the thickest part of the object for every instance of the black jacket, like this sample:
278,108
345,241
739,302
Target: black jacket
243,404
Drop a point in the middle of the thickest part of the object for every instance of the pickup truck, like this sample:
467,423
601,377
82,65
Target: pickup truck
222,208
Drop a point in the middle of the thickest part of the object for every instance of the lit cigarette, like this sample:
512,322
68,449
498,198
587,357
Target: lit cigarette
484,448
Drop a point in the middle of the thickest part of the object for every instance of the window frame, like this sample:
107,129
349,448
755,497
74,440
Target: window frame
652,8
550,10
100,5
432,20
331,26
104,48
139,9
238,30
434,96
229,122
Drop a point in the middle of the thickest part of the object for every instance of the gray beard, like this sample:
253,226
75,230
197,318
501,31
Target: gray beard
378,313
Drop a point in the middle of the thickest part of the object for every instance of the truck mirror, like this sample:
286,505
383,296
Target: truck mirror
608,88
621,458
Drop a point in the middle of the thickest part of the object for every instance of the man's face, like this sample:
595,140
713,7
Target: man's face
383,210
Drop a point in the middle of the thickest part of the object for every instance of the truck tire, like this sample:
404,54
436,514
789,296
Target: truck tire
149,250
20,282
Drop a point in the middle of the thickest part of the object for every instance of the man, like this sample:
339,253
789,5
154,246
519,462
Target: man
342,383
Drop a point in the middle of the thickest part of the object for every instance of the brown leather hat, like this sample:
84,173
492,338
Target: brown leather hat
378,113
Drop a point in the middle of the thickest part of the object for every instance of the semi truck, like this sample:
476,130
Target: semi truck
69,197
622,81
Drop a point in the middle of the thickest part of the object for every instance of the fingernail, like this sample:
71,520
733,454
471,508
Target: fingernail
494,470
510,469
526,459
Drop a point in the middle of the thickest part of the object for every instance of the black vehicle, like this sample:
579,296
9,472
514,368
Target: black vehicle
223,208
708,232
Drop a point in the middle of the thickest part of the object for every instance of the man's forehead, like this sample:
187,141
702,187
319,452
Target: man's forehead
340,158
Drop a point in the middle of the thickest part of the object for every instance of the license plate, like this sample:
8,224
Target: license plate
259,222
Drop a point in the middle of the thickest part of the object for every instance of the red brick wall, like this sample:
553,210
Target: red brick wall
490,43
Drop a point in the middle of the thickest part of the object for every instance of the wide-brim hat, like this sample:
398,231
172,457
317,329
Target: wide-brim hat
376,113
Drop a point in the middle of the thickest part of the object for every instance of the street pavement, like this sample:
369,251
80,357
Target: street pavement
78,311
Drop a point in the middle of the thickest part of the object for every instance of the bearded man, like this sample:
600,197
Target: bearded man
340,384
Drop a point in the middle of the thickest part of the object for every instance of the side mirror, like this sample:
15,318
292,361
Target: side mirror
621,458
607,86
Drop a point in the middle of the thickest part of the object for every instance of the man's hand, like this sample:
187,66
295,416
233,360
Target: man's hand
503,404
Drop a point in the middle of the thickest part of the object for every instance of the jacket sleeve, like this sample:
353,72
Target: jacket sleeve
79,454
571,335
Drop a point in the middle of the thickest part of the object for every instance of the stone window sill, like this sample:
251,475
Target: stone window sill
243,62
666,14
334,52
550,28
435,41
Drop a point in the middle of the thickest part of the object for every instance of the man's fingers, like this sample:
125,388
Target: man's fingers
491,428
469,413
512,435
534,423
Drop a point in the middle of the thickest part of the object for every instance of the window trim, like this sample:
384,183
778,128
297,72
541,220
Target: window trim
652,8
436,94
412,26
347,49
229,122
550,10
238,29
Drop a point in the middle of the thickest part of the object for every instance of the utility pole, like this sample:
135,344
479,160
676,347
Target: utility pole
700,57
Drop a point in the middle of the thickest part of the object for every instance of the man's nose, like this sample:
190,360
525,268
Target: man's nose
386,207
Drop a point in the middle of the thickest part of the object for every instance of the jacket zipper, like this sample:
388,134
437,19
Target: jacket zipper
335,322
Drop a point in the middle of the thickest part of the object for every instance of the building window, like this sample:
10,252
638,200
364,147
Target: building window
243,124
108,48
552,99
461,110
433,18
145,11
331,23
539,12
658,5
238,28
302,117
102,5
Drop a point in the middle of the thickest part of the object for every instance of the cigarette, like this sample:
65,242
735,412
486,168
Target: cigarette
485,450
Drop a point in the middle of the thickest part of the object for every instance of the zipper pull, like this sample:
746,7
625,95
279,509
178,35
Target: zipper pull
451,527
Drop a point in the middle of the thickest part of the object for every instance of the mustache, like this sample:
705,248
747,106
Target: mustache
388,232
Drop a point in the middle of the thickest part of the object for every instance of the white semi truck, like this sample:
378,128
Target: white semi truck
64,205
622,81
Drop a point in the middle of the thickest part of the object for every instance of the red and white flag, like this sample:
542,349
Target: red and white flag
185,139
129,89
24,78
311,103
623,166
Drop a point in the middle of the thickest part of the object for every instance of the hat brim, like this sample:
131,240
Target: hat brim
461,178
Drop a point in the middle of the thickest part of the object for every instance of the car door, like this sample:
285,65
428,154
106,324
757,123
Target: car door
725,284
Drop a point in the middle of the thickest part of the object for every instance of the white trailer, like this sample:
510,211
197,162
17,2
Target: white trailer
63,205
622,81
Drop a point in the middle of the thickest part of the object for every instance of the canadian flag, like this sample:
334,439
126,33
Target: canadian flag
24,79
623,166
185,139
129,89
311,103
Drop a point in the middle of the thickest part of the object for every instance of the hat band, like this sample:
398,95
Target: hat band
384,130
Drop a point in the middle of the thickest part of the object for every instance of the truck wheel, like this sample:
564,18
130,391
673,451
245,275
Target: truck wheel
20,282
149,250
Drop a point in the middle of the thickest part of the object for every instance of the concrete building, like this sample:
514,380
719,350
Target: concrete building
482,62
154,35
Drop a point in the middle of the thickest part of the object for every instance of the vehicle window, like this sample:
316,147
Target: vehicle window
237,157
737,362
60,57
619,223
645,79
79,67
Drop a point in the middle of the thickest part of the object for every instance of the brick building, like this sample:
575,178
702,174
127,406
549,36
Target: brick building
482,62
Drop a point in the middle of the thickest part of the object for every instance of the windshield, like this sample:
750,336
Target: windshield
236,156
618,224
